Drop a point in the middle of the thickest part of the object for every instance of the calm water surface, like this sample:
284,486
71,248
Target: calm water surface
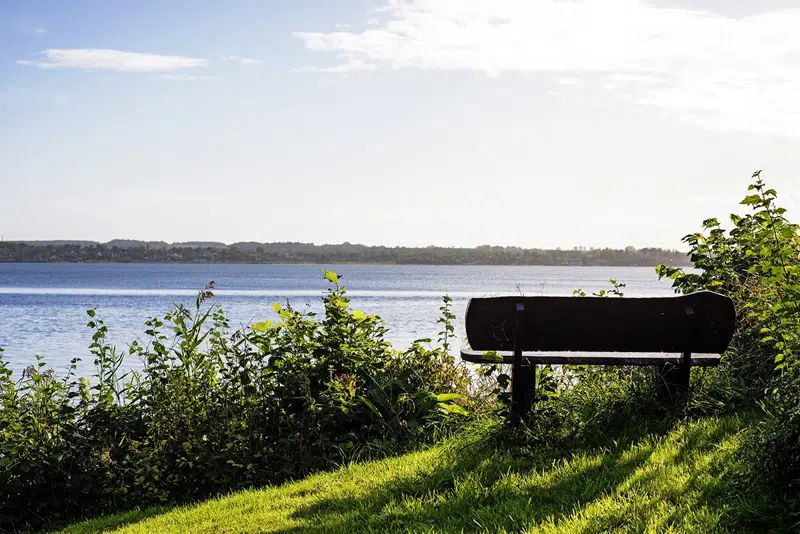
43,306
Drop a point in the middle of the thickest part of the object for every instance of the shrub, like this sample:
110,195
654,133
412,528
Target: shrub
213,409
757,263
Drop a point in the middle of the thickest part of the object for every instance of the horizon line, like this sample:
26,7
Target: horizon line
220,244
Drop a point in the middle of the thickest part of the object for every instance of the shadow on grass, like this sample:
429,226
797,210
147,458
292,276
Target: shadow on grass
112,522
596,493
676,480
490,504
493,493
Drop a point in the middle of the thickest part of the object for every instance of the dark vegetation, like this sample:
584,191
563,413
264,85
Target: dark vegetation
122,251
216,409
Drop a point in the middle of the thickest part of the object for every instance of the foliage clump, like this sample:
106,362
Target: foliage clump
215,409
757,263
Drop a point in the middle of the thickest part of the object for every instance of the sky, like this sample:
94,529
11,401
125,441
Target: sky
534,123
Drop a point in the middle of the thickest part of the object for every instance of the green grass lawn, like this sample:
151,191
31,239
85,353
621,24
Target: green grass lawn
682,481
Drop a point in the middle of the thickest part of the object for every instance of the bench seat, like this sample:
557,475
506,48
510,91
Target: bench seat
598,358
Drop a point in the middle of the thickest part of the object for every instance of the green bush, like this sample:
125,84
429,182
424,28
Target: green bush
214,410
757,263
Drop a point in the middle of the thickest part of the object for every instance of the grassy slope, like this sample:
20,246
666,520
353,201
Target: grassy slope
671,483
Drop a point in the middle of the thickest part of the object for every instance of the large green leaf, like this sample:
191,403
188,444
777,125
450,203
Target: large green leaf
454,408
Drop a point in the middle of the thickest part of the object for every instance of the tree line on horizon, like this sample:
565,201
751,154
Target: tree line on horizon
128,251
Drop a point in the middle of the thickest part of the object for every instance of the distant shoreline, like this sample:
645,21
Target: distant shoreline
342,254
395,264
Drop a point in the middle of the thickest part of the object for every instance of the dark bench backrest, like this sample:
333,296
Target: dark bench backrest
701,322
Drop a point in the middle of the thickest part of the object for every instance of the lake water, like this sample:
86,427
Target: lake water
43,306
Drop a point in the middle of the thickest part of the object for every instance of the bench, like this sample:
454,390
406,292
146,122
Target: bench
672,333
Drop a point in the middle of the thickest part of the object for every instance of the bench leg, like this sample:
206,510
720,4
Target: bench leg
674,380
684,371
523,389
521,384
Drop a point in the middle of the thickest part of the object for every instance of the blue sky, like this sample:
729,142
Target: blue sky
453,122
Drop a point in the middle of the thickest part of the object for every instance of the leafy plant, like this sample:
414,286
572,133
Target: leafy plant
214,409
757,263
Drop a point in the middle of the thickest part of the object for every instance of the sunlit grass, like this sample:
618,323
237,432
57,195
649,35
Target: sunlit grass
678,482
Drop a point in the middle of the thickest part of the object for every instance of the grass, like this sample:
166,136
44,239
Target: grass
681,481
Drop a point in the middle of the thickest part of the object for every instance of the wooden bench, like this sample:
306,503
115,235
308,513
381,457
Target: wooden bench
671,333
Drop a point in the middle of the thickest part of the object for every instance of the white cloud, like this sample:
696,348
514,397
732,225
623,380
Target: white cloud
118,60
720,72
636,78
185,77
242,60
351,65
40,31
